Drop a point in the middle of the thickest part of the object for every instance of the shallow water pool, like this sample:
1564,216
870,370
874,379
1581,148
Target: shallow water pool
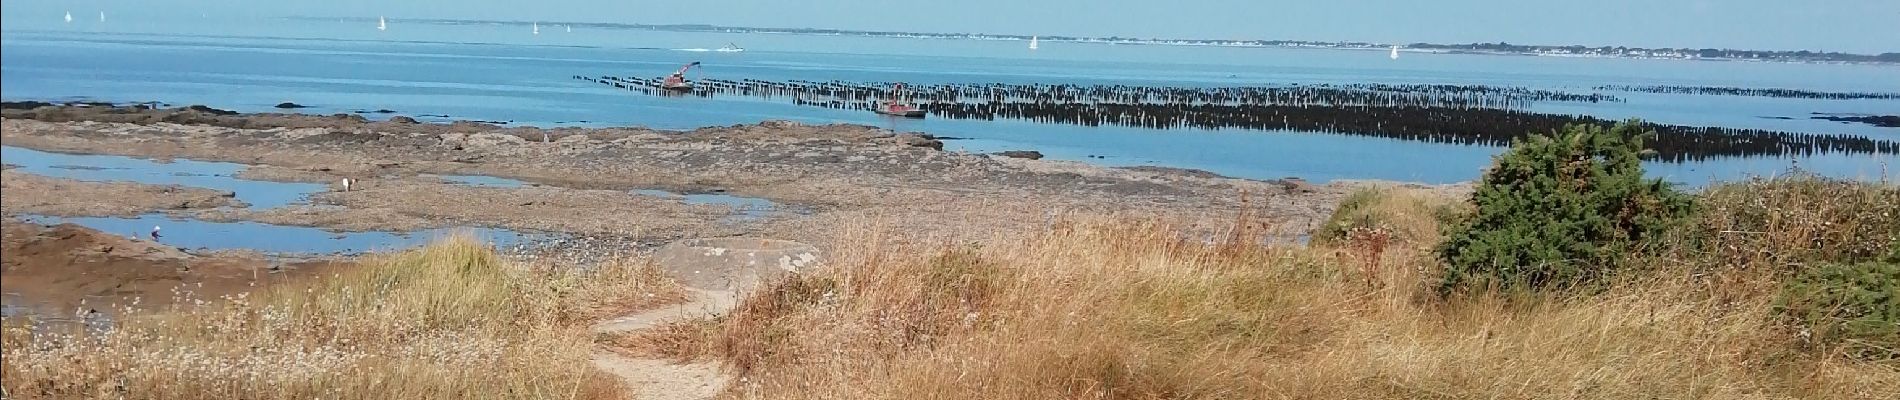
209,175
206,235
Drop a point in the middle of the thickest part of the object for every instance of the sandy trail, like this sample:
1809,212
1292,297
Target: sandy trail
659,379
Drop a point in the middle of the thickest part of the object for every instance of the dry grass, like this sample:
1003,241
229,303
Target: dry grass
1785,222
1409,216
449,320
1106,308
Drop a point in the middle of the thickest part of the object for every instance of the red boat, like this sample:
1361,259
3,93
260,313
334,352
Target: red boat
899,108
677,81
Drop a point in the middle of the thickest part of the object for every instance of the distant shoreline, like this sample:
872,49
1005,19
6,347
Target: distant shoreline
1501,48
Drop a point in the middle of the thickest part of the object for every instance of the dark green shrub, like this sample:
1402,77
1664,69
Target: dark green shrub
1855,306
1556,211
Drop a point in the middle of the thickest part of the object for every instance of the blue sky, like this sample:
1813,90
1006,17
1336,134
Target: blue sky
1865,26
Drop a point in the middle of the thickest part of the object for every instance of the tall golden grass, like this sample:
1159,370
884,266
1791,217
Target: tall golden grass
1098,307
449,320
1108,308
1786,221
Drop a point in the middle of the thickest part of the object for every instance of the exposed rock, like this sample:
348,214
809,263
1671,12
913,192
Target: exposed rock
403,120
841,173
209,110
1885,121
1197,173
483,139
1024,154
915,140
23,105
779,124
466,126
290,105
1296,185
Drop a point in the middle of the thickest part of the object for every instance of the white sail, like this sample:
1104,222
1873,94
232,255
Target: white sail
1032,42
1395,52
69,17
537,28
382,24
102,16
570,28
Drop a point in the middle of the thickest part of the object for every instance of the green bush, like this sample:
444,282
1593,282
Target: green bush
1556,211
1855,306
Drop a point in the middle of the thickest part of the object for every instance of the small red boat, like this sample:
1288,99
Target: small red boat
899,108
677,81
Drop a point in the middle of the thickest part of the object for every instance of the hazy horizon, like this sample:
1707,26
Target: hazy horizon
1856,26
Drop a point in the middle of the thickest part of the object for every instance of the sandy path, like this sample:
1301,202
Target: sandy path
658,379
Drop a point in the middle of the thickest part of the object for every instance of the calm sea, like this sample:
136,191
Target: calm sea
503,72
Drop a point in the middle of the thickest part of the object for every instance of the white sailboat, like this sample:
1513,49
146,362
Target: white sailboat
1395,52
731,48
1032,42
382,24
570,28
537,28
102,16
69,17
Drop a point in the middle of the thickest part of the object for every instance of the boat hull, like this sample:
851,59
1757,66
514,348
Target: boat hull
905,113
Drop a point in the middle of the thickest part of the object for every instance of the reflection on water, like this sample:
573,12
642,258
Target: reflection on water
210,175
195,234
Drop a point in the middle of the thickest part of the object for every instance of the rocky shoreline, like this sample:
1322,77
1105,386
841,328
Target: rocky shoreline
578,179
588,189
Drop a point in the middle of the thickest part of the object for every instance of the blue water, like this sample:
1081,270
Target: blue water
195,234
212,175
501,73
